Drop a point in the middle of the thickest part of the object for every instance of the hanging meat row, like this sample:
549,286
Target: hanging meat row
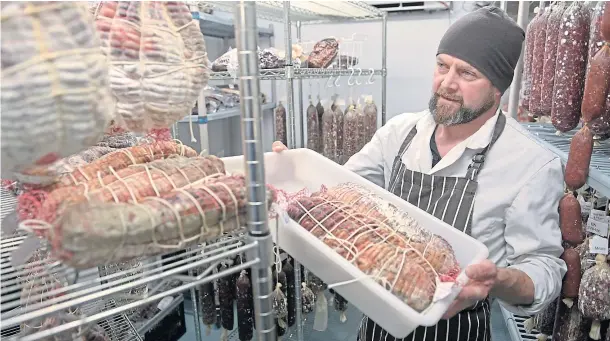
335,133
585,296
562,45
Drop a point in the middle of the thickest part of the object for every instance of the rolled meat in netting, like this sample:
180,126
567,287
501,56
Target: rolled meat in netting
375,248
54,91
134,183
158,60
437,250
91,233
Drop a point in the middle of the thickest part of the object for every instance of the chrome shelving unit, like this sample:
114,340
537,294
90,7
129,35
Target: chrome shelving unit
599,168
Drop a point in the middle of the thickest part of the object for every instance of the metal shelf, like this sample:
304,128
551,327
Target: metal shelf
89,288
301,73
516,327
222,114
214,26
599,171
148,325
308,11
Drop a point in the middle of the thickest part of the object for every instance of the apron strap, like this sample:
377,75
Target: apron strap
479,158
397,160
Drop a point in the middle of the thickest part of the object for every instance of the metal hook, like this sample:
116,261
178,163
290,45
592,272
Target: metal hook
337,84
351,76
329,82
359,74
370,80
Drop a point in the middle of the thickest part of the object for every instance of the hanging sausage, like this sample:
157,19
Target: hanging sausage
280,124
244,307
526,86
550,57
605,25
570,219
571,281
595,35
594,296
570,67
596,85
313,128
540,38
579,158
370,113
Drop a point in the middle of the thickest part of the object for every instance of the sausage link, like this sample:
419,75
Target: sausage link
570,219
596,85
577,167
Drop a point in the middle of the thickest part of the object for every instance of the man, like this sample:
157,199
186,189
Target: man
468,164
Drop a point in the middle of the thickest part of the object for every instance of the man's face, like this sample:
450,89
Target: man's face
460,92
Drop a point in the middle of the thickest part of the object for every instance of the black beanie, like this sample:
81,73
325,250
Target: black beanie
487,39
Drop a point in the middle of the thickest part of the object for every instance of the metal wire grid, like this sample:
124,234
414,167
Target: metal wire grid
88,289
299,73
308,11
516,327
599,169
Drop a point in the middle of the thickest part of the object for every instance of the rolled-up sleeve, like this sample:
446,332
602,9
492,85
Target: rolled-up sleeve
533,236
369,162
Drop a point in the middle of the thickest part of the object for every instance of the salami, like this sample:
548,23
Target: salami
320,110
570,220
207,305
594,296
570,67
540,38
596,85
595,37
577,167
290,292
526,86
545,321
605,25
571,326
332,135
280,124
550,57
571,281
226,299
313,128
308,299
601,126
370,113
351,134
245,308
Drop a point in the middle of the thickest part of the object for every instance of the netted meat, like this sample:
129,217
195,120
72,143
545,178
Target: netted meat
370,113
332,134
122,158
68,164
54,91
313,128
594,296
323,53
550,57
281,133
151,179
571,66
89,234
375,248
372,206
158,60
353,132
540,38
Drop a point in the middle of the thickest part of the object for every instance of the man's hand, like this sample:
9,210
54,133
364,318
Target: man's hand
482,277
278,146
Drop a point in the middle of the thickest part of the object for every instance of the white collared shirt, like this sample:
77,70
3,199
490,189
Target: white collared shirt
516,204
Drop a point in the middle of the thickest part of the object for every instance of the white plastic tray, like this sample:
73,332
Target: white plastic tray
296,169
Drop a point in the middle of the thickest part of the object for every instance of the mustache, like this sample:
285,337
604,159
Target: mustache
448,96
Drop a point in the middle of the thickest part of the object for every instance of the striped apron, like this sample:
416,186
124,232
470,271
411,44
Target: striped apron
450,199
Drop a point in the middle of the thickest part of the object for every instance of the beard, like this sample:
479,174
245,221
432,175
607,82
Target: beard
448,115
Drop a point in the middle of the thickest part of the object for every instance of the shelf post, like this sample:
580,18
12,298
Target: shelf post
257,218
290,118
513,99
301,111
384,58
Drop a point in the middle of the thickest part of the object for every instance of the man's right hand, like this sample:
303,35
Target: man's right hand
278,147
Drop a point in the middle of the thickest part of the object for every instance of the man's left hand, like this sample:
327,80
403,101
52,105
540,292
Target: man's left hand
482,277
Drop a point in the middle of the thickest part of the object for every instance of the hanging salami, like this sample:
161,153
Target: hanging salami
535,105
571,326
571,281
280,124
595,36
526,86
579,158
594,296
245,308
313,128
596,85
550,57
605,25
570,67
570,220
370,113
290,292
